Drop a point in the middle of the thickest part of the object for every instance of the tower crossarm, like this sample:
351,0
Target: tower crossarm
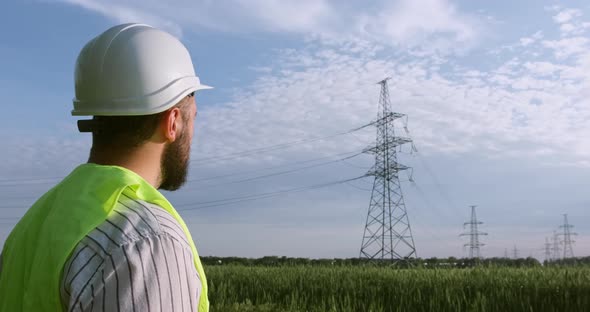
388,118
393,168
473,245
391,142
473,233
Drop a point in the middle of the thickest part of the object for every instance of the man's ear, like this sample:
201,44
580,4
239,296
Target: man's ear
171,124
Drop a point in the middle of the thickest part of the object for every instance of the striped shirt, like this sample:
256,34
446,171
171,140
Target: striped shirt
139,259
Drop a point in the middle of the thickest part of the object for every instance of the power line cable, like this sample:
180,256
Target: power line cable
247,179
29,179
358,187
5,183
15,206
268,168
276,146
220,202
9,220
441,213
20,182
245,198
356,166
29,197
436,181
281,172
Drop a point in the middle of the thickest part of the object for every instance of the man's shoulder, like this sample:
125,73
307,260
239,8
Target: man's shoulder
131,221
136,239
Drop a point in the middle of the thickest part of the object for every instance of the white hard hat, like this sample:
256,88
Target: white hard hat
130,70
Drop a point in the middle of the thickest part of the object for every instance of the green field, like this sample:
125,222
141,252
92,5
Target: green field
367,288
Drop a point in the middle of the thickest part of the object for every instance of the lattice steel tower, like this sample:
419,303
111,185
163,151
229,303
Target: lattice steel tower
568,250
547,250
387,235
473,234
555,248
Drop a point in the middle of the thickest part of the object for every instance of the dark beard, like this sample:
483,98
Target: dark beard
174,164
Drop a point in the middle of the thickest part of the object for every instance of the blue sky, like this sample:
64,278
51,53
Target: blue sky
496,94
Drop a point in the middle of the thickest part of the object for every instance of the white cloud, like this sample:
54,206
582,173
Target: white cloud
566,47
429,24
570,22
125,14
525,41
566,15
567,28
42,156
324,89
328,86
543,68
297,16
224,15
516,109
426,25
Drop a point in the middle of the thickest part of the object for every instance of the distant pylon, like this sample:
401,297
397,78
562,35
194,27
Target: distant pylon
387,233
555,250
568,250
515,252
547,249
473,234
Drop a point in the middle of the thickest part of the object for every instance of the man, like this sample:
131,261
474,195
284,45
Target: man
105,239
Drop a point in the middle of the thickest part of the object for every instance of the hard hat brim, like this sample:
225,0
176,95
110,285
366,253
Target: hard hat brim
204,87
152,103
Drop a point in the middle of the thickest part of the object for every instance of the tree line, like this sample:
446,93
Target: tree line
450,262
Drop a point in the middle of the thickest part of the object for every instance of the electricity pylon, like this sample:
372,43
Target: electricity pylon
473,234
387,234
568,250
555,250
547,250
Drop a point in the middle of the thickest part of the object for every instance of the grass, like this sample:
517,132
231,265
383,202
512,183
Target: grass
366,288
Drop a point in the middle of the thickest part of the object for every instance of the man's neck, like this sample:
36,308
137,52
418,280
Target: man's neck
144,161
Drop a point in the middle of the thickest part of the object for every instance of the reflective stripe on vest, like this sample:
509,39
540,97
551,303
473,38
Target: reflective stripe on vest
39,245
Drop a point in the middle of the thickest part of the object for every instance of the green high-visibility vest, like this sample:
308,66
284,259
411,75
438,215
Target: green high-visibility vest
36,250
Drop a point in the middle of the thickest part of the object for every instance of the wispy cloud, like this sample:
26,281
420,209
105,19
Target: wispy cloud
432,25
566,47
535,107
530,107
225,15
566,15
570,21
124,13
525,41
426,25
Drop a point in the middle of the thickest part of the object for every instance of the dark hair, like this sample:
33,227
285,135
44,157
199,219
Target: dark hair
128,132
